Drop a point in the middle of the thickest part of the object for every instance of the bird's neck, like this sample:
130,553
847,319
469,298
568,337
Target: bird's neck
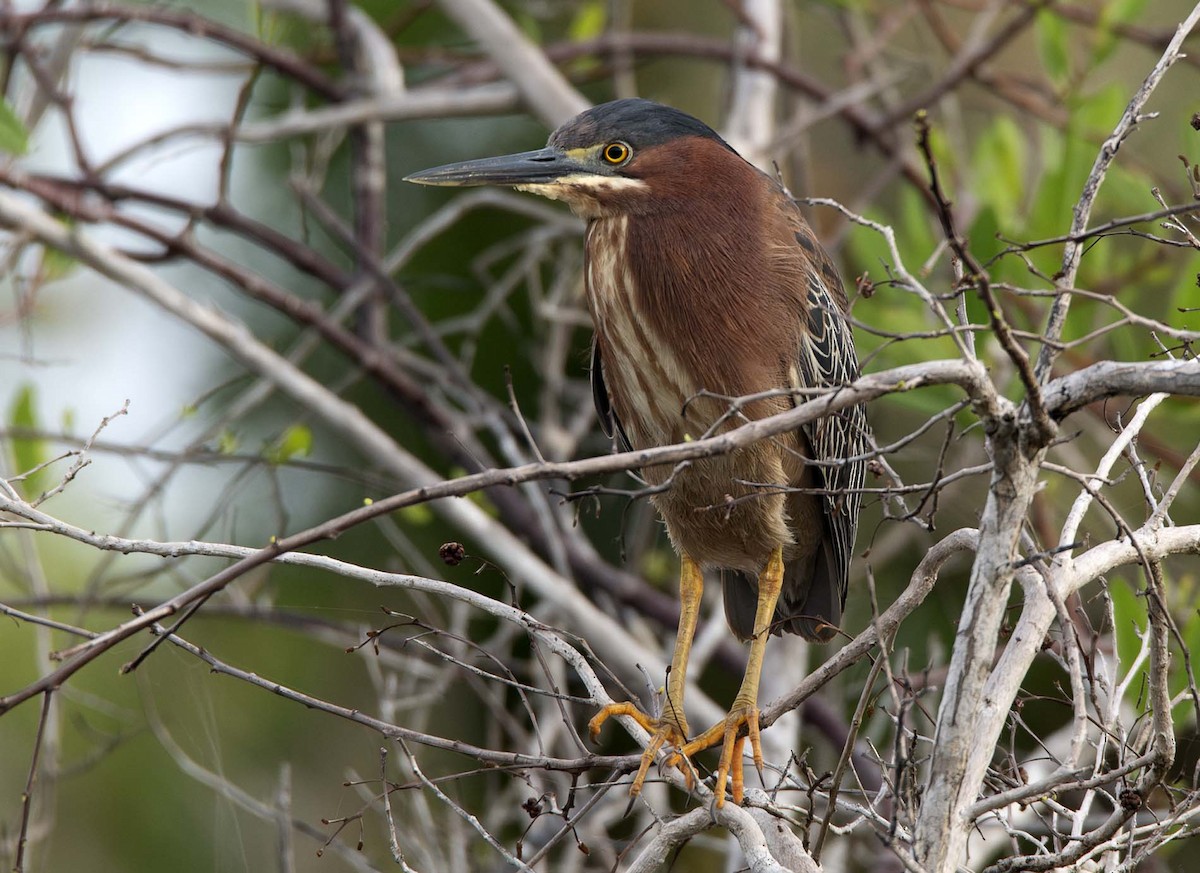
692,287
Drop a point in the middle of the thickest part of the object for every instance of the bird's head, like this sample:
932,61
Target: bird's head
627,156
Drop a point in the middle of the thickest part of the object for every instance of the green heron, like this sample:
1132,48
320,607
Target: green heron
705,284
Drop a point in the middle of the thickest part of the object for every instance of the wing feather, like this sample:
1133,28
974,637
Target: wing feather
609,423
826,359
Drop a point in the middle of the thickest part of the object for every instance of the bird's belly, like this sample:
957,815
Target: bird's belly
725,511
728,511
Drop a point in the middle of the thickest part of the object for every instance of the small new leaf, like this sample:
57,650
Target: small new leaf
1054,46
27,453
227,442
14,138
296,441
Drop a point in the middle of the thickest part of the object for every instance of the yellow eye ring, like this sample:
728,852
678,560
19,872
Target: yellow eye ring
616,153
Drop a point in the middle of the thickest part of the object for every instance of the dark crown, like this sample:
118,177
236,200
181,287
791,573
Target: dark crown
641,123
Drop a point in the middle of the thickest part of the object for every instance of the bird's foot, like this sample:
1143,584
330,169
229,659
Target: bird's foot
728,733
664,732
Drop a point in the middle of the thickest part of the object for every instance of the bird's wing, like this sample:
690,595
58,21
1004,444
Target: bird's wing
839,442
609,422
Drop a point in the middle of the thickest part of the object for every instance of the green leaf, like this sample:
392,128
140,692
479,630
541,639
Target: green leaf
1100,112
1054,46
999,170
56,264
227,442
589,21
868,249
14,138
1067,160
982,234
417,515
1129,613
915,236
1114,12
1120,12
1127,191
946,155
27,453
528,25
297,441
658,567
1190,631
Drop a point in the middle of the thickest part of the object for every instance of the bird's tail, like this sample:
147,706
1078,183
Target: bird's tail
810,603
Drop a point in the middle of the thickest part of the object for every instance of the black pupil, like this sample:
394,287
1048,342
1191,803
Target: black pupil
616,153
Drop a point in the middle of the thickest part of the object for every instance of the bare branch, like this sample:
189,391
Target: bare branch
541,86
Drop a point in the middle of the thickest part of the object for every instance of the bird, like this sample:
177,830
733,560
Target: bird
713,304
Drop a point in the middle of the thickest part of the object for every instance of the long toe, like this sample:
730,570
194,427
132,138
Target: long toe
668,735
729,734
648,723
665,733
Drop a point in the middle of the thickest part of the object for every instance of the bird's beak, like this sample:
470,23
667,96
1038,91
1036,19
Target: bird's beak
526,168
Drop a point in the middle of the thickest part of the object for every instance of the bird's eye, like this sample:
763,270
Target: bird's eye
616,152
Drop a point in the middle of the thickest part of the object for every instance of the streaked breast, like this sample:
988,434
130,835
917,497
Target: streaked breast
647,386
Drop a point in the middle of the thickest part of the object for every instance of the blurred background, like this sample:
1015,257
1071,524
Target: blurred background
251,156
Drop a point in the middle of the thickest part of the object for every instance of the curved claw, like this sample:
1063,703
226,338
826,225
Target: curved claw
649,724
663,732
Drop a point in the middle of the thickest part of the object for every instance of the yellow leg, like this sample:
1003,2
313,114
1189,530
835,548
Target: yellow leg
672,728
745,706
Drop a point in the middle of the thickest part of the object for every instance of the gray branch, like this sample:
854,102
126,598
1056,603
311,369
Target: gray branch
1117,378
